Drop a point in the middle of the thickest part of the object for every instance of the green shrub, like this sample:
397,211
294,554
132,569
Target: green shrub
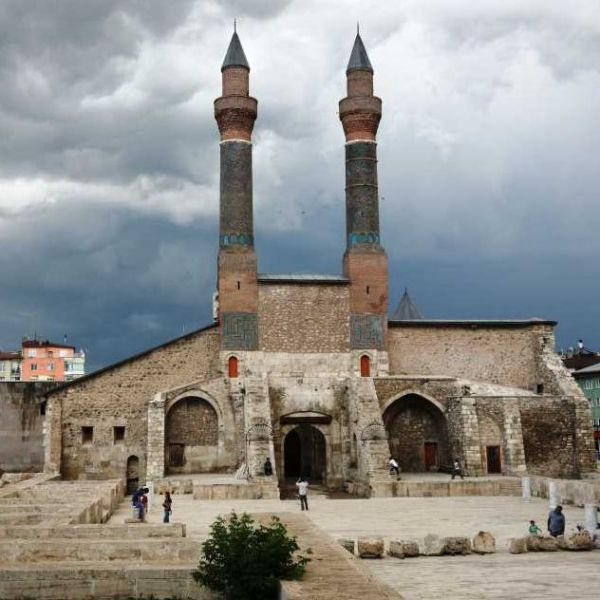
244,561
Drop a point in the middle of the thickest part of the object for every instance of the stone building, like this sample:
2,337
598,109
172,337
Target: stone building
310,371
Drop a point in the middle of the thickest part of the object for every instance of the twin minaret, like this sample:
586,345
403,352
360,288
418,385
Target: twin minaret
365,261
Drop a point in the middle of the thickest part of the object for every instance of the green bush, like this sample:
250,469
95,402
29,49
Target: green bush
244,561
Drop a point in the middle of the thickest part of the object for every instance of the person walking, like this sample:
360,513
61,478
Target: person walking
167,510
268,467
456,470
137,501
302,486
394,466
556,522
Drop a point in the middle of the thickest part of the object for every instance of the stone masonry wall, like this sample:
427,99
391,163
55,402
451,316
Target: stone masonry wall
501,355
119,396
304,317
21,426
549,436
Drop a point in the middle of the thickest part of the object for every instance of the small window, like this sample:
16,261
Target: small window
31,353
87,435
365,366
239,285
233,366
34,366
368,289
43,409
119,434
539,388
51,366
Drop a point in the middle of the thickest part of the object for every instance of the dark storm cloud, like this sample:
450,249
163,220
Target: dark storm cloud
109,157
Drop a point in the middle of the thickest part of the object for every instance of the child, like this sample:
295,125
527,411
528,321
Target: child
534,529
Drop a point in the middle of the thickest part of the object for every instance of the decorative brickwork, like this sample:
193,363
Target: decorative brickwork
367,331
240,331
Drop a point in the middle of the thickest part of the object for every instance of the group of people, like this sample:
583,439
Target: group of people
556,523
395,468
139,502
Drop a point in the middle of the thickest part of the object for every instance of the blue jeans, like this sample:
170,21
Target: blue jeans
166,515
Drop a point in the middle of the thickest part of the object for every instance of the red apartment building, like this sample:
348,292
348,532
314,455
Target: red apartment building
43,360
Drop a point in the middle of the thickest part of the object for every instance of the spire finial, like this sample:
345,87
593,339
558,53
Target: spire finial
357,28
234,25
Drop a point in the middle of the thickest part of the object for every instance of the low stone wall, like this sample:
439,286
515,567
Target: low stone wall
570,491
243,491
506,486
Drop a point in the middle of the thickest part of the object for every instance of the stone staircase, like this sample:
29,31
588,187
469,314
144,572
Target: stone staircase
57,557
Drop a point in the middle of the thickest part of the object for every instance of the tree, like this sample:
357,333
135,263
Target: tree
244,561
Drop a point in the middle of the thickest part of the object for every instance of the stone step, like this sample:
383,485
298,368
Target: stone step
96,532
34,519
99,581
149,550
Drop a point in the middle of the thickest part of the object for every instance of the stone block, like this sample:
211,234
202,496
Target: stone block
396,549
347,544
433,545
370,547
484,543
582,540
541,543
410,548
517,545
457,545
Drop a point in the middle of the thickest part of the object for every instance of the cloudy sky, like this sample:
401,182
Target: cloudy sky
489,158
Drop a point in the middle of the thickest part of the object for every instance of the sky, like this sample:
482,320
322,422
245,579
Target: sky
489,158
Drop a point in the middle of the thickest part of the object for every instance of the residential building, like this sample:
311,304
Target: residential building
588,379
10,366
43,360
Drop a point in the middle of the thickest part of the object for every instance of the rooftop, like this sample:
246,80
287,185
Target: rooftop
406,309
359,59
301,278
235,56
39,343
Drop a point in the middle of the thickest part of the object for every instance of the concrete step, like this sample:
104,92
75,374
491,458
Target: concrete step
149,550
95,532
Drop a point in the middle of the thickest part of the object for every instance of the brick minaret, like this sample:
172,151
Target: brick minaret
365,261
235,112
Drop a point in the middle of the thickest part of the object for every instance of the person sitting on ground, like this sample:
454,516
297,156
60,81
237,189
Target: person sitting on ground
556,522
394,467
534,529
268,467
456,470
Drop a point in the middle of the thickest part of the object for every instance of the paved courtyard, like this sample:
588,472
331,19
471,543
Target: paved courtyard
561,575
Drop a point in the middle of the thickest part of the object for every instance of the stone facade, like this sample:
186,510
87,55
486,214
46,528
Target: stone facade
22,418
309,372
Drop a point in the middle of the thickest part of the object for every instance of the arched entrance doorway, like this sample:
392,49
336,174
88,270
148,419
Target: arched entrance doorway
191,436
418,434
132,474
304,453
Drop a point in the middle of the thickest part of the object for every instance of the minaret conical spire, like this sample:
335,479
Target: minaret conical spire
235,56
359,59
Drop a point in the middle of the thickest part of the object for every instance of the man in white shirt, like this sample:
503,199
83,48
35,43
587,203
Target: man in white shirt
302,485
394,467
